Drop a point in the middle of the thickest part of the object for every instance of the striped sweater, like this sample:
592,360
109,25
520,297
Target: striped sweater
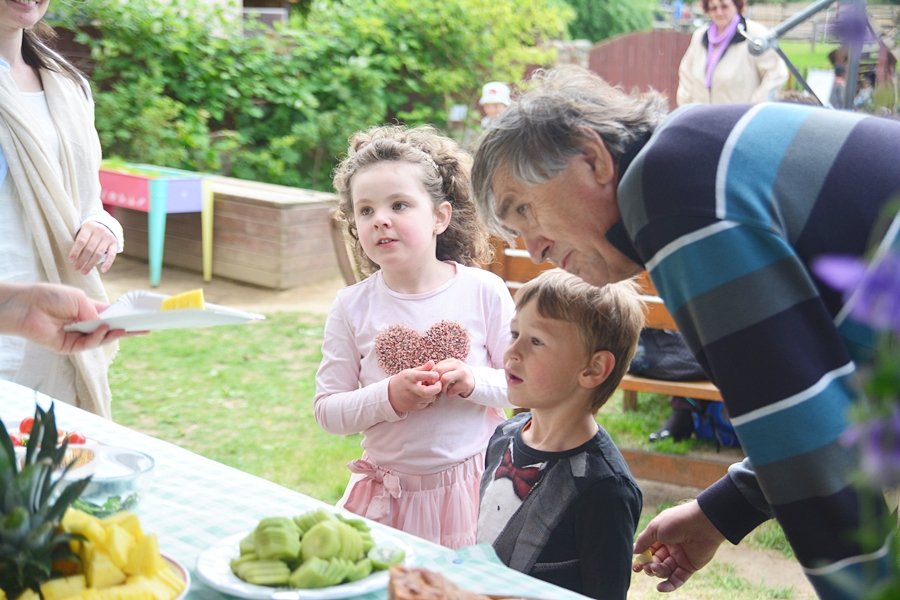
726,206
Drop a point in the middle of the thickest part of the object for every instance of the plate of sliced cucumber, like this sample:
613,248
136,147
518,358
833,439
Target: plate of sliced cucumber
319,555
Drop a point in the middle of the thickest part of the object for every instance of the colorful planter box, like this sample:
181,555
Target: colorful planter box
159,191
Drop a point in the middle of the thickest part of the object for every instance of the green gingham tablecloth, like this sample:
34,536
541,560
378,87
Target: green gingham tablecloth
191,503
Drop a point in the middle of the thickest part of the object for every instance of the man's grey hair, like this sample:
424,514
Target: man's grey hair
536,136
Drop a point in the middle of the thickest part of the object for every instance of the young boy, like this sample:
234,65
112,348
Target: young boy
495,97
557,499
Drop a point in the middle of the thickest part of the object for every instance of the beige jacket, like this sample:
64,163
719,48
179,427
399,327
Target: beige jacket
738,78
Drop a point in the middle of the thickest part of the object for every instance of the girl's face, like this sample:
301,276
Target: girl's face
16,15
396,218
721,12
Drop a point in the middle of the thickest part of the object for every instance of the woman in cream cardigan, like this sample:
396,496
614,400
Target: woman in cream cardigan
52,224
718,67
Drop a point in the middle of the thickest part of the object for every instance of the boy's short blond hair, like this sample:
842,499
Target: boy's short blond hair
607,318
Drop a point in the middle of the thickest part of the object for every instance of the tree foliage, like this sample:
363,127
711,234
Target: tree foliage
597,20
177,84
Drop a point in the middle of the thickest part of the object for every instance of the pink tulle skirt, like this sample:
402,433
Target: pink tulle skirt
440,507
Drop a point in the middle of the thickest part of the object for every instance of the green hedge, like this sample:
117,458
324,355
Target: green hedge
176,84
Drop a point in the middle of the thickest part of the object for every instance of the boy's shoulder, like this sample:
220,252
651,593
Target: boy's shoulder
602,459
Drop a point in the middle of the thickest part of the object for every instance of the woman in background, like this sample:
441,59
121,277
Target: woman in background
52,224
718,68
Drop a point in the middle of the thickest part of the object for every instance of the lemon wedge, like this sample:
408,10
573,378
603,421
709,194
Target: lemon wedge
189,299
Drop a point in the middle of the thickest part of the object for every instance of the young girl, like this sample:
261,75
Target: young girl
413,355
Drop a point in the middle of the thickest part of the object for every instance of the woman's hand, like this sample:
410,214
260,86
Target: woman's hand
414,389
39,312
95,246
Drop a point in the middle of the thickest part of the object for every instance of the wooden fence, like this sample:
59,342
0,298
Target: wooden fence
644,60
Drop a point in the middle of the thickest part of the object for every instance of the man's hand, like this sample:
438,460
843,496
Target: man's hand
457,378
682,541
414,389
95,246
39,312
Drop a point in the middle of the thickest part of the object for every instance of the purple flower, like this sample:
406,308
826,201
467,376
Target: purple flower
873,291
878,441
851,25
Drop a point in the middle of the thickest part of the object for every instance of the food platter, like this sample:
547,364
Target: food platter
140,311
214,569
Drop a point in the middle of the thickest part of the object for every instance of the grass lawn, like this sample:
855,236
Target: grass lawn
805,56
240,395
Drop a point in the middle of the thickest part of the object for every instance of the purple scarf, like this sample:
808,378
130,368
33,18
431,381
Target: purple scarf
717,44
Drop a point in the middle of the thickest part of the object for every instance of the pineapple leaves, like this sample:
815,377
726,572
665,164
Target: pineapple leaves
33,499
8,466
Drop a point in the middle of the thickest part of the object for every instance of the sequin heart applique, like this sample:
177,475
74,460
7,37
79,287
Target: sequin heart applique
398,347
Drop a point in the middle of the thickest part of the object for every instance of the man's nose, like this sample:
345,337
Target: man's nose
537,246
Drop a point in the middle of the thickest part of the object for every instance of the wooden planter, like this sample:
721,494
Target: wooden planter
267,235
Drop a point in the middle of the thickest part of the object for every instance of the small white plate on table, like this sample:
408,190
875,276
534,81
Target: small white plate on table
140,311
182,573
214,569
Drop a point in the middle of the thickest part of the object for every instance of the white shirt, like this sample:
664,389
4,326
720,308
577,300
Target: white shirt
20,361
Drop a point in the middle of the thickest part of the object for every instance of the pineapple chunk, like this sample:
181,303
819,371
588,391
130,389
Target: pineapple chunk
76,521
118,544
63,587
101,571
127,520
189,299
126,592
145,558
86,594
29,594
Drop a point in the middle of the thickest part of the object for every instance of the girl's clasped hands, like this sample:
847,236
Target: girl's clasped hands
419,387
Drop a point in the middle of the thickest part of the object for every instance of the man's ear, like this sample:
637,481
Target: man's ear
442,215
598,369
598,157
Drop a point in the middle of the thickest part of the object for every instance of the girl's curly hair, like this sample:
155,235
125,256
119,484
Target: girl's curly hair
446,169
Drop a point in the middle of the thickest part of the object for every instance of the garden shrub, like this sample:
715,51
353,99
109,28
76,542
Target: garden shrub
597,20
177,84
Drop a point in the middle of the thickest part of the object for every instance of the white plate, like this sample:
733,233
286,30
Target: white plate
140,311
182,572
214,569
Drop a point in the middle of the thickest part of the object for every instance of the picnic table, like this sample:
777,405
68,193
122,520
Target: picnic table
192,503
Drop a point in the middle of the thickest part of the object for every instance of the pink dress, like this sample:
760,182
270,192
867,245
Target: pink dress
420,471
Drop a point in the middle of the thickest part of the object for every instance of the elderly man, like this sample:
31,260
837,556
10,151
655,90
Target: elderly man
725,206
